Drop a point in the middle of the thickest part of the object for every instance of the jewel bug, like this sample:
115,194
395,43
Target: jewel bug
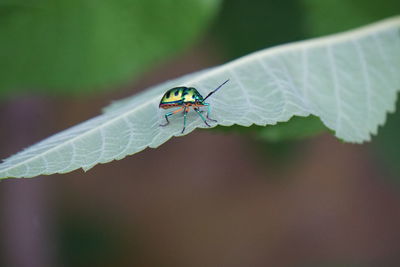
185,98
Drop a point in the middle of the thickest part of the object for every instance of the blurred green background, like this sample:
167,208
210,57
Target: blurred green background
264,196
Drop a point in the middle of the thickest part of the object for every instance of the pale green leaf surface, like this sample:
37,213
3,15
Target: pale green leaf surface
348,80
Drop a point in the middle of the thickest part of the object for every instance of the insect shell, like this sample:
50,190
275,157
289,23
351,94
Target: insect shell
186,98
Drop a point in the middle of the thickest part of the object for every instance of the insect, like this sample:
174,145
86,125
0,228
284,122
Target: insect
185,98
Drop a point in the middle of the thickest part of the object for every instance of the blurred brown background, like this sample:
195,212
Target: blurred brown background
206,199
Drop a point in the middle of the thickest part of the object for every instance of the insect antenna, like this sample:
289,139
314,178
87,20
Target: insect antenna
212,92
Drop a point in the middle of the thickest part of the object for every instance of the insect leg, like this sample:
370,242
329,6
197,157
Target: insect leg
185,112
201,116
169,114
208,112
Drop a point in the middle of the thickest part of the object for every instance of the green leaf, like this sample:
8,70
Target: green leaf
348,80
295,128
387,143
82,45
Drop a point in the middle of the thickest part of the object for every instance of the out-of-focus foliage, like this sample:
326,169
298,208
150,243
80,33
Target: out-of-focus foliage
243,27
294,129
86,241
387,143
330,16
82,45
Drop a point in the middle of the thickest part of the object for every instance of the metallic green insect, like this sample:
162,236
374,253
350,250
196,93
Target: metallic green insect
186,97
